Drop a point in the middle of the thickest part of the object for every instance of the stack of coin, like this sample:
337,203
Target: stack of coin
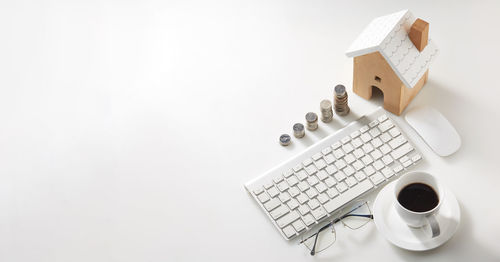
312,121
298,130
285,140
340,97
326,111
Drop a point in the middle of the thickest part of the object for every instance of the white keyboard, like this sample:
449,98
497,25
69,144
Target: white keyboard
330,174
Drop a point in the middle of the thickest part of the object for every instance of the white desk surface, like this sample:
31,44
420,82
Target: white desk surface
128,128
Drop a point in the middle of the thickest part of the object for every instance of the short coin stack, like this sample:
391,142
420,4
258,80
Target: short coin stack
326,111
298,130
340,98
285,140
312,121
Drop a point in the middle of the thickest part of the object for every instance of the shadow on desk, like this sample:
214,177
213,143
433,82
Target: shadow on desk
461,247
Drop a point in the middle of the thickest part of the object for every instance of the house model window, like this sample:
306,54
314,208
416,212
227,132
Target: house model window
393,54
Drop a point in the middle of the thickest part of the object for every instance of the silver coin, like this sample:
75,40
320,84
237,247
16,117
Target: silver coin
339,90
311,117
285,140
298,130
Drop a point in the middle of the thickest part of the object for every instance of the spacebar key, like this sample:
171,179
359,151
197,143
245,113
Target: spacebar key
347,196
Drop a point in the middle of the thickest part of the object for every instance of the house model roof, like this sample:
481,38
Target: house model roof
389,36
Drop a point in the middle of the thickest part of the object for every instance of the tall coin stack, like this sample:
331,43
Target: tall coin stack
312,121
326,111
340,97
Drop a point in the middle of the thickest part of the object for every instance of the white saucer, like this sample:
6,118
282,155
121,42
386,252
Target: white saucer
397,232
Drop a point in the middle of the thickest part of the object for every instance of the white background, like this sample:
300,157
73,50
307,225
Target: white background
128,128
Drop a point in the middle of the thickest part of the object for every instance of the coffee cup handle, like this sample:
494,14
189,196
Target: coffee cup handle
434,225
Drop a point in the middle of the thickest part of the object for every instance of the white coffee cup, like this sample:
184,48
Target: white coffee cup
419,219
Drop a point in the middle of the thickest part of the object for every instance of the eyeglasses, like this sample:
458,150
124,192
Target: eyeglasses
355,217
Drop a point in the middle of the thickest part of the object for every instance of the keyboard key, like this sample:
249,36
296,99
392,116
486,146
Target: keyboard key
401,151
394,132
326,150
311,170
288,173
321,187
382,118
360,176
278,179
272,204
338,153
279,212
336,145
398,168
293,204
358,165
302,198
378,165
373,123
312,180
385,149
355,134
273,191
304,209
331,169
329,159
320,164
365,137
374,132
359,153
407,163
299,225
263,197
416,158
322,175
330,182
332,192
284,197
376,154
340,164
387,159
301,175
385,137
318,213
345,139
351,181
268,184
387,172
307,162
369,170
297,168
287,219
258,191
367,148
292,181
386,125
294,192
282,186
347,196
348,148
317,156
288,231
309,219
367,160
323,198
349,158
404,159
303,186
376,142
396,142
348,171
357,142
311,193
313,204
377,178
364,128
340,176
341,187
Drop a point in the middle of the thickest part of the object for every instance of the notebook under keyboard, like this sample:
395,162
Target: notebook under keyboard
330,174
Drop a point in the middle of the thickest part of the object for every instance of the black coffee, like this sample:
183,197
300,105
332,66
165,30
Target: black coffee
418,197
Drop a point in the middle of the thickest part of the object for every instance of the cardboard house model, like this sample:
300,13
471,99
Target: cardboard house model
392,54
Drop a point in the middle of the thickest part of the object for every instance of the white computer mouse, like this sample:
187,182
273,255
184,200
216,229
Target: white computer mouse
434,129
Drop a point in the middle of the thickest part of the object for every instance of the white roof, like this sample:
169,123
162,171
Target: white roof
389,36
